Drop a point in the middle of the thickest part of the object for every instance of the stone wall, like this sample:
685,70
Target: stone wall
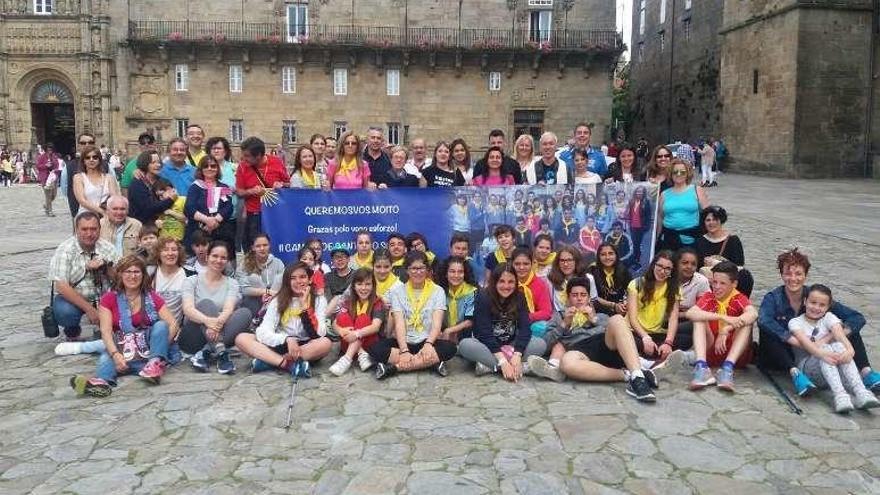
443,103
689,63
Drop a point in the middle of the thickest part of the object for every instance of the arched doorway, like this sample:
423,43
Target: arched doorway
53,117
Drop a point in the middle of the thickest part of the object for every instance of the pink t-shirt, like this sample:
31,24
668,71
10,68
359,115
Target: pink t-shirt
494,180
108,300
351,180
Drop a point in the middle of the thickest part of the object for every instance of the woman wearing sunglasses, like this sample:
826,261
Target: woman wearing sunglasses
209,204
92,187
349,171
678,214
659,167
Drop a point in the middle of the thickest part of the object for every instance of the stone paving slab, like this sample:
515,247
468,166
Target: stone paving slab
424,434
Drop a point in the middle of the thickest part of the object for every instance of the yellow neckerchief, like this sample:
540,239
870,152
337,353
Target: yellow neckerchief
382,286
454,295
579,319
364,263
347,165
361,307
547,262
431,257
398,262
462,208
724,303
500,257
415,320
309,178
609,277
527,291
563,295
567,225
290,313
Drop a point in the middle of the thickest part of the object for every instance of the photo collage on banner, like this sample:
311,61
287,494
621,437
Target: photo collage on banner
581,215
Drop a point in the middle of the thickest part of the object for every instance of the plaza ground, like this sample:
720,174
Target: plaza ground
459,435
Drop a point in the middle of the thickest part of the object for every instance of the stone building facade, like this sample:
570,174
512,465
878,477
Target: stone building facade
791,85
675,62
284,70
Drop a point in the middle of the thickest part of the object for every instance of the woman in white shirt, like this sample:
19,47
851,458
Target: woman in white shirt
294,327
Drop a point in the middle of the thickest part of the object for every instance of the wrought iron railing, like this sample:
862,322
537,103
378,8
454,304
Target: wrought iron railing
426,38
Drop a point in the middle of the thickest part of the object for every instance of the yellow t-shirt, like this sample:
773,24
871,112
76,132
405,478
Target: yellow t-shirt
652,315
172,227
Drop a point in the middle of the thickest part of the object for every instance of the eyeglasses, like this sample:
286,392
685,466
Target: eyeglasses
350,143
417,268
92,157
210,166
665,268
663,155
679,171
133,273
566,260
84,143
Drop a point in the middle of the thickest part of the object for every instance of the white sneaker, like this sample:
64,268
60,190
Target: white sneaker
341,366
842,403
364,360
646,364
542,368
865,400
68,348
481,369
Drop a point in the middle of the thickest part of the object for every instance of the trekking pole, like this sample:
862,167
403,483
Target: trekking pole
791,405
292,396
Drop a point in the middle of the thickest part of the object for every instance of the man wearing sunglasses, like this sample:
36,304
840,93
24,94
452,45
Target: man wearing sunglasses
146,142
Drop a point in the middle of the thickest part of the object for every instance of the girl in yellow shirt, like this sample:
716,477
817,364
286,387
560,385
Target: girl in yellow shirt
652,308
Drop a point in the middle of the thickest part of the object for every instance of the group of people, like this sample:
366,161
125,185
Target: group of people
542,306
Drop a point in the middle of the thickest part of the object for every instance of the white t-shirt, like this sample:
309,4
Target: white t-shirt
691,291
813,331
411,168
400,303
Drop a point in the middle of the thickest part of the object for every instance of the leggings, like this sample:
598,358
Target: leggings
192,337
774,354
381,351
475,351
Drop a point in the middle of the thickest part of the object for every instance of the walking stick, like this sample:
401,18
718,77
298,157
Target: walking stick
296,371
791,405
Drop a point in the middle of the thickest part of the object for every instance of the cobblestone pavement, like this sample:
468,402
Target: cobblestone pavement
424,434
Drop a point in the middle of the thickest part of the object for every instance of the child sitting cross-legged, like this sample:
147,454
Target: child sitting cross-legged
723,319
358,322
825,354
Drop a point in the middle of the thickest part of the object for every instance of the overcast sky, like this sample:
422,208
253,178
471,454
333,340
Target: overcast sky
624,21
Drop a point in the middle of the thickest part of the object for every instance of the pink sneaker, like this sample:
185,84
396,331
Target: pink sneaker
153,370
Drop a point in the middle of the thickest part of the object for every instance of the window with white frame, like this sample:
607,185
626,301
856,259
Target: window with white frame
180,126
43,7
339,128
235,79
662,11
297,22
540,22
181,77
236,130
392,82
642,17
340,82
288,131
687,29
393,136
288,79
494,81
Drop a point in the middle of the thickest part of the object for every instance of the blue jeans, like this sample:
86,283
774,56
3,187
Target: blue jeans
98,347
158,348
67,315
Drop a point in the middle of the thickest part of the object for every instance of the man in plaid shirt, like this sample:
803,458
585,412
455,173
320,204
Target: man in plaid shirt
79,270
